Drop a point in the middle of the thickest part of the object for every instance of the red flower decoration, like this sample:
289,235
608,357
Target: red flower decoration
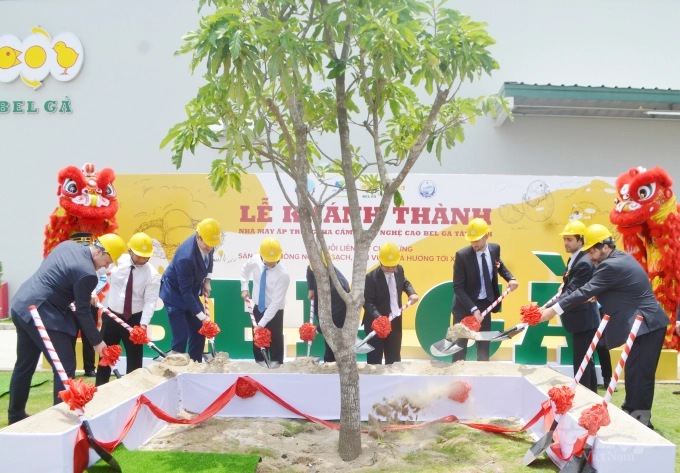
460,390
110,355
563,397
209,329
78,393
530,314
263,338
382,326
594,418
138,336
472,323
244,389
307,332
498,264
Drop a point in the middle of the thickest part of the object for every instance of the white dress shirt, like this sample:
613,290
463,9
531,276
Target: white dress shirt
394,299
203,255
278,281
145,286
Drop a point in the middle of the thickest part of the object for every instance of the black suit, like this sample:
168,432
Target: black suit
338,306
376,304
581,321
67,275
623,289
466,288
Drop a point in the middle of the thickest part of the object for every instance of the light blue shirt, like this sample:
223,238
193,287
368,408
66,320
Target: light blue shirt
482,291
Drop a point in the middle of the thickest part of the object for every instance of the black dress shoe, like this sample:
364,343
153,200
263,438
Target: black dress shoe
90,374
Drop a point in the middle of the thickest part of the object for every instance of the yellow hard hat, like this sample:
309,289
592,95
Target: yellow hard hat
113,245
209,231
574,227
141,245
270,250
476,229
389,254
595,234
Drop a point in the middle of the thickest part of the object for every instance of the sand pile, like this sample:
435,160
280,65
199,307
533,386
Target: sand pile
461,331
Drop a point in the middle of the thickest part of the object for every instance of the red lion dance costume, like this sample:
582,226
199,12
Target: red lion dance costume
87,206
646,214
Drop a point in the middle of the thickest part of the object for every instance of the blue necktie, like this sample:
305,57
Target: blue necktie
206,260
263,287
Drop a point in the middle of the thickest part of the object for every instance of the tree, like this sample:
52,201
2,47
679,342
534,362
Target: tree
283,76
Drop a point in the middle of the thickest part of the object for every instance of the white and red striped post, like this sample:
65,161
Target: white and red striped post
391,318
311,321
250,311
495,303
206,303
126,326
615,378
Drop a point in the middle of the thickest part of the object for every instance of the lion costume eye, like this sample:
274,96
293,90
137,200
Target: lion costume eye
110,191
646,192
70,187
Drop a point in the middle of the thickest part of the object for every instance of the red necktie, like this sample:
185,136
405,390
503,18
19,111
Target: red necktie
127,305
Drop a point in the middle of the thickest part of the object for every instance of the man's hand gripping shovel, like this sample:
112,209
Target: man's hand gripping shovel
361,347
267,362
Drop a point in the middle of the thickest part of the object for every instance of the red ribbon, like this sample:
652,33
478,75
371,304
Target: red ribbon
382,326
262,338
81,453
472,323
530,314
307,332
563,397
209,329
77,394
139,336
110,355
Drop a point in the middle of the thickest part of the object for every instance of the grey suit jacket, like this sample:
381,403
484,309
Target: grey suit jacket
623,289
67,275
467,283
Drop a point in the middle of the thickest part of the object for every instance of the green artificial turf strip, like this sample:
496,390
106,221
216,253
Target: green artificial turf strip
138,461
38,379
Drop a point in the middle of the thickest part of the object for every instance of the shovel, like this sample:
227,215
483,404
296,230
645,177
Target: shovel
579,463
360,346
211,341
267,362
447,347
122,323
511,332
106,456
548,439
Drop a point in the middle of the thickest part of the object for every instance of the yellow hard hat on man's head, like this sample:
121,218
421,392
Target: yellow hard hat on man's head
595,234
141,245
209,231
389,254
270,250
574,227
111,244
476,229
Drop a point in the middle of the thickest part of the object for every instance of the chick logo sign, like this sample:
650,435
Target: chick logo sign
39,55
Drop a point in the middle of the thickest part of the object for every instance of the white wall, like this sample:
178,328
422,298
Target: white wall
132,89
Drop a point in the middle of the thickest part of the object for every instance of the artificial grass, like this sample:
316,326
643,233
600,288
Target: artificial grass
37,380
139,461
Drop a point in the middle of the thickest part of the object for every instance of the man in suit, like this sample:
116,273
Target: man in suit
338,306
68,275
581,321
475,282
270,285
622,287
133,296
382,296
184,281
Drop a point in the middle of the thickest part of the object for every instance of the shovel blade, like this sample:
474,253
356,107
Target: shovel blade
207,357
488,336
444,348
508,334
362,348
539,447
103,454
575,464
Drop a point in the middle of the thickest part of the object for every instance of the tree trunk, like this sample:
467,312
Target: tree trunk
349,446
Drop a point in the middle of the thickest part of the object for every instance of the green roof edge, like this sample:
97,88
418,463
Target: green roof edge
575,92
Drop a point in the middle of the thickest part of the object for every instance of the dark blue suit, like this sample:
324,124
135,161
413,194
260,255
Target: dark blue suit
181,285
